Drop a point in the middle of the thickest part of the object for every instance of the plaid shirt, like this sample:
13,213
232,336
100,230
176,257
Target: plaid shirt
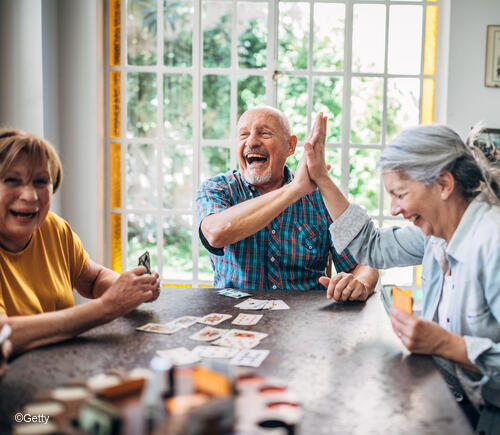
291,252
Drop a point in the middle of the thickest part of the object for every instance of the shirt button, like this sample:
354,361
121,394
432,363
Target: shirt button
274,287
272,259
300,228
273,232
448,319
310,247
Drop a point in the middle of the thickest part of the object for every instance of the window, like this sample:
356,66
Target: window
182,71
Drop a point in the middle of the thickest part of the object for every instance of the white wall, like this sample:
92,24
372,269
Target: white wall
50,85
469,101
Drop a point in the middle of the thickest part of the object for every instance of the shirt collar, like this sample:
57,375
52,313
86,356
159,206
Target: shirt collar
459,243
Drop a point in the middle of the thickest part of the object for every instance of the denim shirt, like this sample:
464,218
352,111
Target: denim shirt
473,254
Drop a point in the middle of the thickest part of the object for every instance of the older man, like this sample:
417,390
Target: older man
265,227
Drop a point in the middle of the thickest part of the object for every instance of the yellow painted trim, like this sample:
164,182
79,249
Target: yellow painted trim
115,104
431,29
115,169
115,7
116,242
428,91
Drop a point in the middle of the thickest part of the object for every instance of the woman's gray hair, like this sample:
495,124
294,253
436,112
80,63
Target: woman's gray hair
424,153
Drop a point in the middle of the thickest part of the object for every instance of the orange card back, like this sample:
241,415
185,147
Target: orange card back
402,299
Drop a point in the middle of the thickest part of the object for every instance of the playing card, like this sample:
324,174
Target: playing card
208,334
159,328
250,357
242,333
252,304
215,351
279,305
402,299
247,319
145,261
237,342
236,294
185,321
214,318
179,356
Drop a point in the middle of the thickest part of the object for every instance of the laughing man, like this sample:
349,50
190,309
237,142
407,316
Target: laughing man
267,228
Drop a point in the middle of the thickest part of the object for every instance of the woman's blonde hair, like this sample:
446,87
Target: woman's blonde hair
13,143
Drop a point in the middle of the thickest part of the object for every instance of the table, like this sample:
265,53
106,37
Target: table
351,372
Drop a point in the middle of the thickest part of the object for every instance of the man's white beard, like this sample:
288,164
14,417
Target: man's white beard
257,180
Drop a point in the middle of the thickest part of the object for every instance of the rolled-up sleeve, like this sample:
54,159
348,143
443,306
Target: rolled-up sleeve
379,248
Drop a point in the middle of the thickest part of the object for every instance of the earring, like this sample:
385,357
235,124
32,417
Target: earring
443,195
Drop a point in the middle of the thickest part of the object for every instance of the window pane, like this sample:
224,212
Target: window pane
177,256
405,39
366,110
292,101
252,35
216,22
251,92
142,177
293,35
327,98
329,22
364,180
368,38
178,106
141,32
178,31
403,97
141,236
141,104
214,160
205,271
216,106
177,163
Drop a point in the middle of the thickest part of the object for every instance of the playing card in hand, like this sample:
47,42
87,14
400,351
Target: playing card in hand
145,261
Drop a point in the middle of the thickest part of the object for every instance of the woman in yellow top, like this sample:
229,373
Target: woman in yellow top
42,260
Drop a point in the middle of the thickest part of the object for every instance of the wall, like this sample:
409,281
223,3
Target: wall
50,85
469,101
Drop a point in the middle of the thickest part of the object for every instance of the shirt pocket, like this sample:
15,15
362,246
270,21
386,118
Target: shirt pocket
311,245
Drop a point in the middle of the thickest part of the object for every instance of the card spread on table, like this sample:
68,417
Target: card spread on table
250,357
237,342
159,328
247,319
179,356
236,294
402,299
208,334
185,321
215,351
145,261
242,333
214,318
262,304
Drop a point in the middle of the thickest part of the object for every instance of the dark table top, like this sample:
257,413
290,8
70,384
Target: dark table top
352,374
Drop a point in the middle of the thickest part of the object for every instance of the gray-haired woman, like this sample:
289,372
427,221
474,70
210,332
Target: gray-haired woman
451,195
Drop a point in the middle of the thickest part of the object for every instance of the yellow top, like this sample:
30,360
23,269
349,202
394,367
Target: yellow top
41,277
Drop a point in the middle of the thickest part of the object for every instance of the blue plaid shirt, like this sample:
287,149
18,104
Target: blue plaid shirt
291,252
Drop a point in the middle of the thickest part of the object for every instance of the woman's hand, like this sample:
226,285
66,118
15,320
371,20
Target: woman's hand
417,334
130,290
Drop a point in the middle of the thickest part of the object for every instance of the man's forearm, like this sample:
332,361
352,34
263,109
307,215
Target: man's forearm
245,219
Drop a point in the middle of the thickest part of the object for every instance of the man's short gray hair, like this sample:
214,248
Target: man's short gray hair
278,113
424,153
